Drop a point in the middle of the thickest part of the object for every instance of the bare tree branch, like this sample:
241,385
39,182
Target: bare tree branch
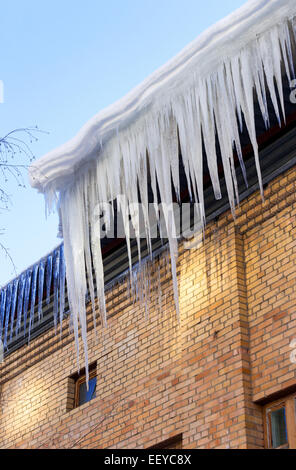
15,143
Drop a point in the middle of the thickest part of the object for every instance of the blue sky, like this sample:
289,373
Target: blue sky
63,61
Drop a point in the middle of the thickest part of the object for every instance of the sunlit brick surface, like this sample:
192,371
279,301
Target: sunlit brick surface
204,377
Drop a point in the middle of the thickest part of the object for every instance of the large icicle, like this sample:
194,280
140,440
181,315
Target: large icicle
56,278
75,262
48,277
33,299
40,287
62,277
2,310
27,296
20,303
7,313
13,305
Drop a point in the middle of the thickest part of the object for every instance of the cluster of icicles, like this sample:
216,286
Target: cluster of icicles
214,104
205,95
21,300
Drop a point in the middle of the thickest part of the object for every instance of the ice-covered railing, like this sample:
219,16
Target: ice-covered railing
204,95
22,300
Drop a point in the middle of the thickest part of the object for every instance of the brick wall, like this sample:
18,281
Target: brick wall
206,376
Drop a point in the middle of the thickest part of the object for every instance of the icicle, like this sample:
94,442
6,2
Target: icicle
27,296
266,52
88,260
225,136
76,276
62,285
189,125
13,305
159,296
145,278
48,277
160,132
208,130
124,210
99,270
7,313
56,279
287,50
2,310
40,288
33,299
20,303
247,105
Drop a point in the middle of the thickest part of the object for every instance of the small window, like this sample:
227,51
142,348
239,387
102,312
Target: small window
81,394
280,424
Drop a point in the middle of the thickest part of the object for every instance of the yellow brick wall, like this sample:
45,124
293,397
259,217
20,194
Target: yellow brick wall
204,377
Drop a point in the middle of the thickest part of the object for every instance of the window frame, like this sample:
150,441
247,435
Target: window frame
289,404
78,382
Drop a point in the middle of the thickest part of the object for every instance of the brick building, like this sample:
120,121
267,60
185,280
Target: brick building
222,376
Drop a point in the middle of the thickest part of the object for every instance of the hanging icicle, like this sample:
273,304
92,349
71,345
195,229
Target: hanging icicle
26,297
13,305
40,287
48,277
2,310
56,274
7,313
20,302
62,275
33,299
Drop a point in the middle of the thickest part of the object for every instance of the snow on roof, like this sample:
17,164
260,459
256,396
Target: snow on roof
196,61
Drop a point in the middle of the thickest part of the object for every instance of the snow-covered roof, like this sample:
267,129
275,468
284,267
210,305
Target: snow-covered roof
196,62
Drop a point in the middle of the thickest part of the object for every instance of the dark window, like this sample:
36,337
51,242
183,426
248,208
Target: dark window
84,395
280,424
81,394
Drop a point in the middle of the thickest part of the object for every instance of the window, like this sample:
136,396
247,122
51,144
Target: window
172,443
82,395
280,423
77,392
